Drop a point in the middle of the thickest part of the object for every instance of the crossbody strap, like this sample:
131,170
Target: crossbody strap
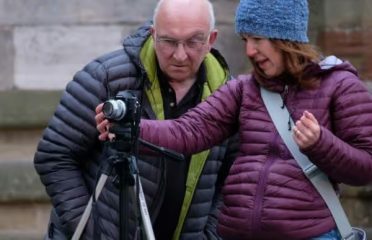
278,112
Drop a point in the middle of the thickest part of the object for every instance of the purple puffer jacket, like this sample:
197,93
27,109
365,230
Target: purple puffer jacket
266,194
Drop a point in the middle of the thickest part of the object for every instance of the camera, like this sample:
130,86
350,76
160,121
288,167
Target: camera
123,108
123,112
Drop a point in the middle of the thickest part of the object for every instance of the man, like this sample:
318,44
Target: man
173,66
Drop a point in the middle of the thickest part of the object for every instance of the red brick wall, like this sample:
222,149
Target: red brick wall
355,46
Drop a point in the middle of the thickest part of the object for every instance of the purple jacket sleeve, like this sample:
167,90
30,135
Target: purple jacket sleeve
345,152
202,127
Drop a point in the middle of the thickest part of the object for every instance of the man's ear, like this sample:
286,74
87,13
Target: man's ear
152,31
213,37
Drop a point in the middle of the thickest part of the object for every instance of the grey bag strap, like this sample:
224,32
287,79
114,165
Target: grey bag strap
278,113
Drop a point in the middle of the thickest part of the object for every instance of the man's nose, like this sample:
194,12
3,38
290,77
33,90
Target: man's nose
180,53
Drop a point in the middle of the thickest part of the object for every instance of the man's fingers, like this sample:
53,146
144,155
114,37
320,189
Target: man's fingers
101,123
99,108
99,118
102,127
103,136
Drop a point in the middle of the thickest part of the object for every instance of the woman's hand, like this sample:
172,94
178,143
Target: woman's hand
102,123
306,132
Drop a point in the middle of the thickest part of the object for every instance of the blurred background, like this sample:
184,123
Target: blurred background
44,42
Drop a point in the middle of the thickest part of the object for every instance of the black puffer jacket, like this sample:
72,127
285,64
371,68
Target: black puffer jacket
69,154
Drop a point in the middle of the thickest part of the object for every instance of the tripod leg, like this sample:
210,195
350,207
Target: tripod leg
145,213
84,218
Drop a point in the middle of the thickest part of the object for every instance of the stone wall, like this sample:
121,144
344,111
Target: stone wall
44,42
345,30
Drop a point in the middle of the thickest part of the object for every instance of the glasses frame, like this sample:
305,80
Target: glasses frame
190,45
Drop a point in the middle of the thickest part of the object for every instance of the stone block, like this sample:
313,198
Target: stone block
369,232
343,14
47,12
113,11
47,57
367,16
316,20
18,145
345,43
7,58
27,109
232,48
19,182
366,67
224,10
20,235
21,216
23,221
364,192
356,202
354,46
358,211
369,85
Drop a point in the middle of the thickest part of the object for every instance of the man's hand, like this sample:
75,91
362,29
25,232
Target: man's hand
307,130
102,123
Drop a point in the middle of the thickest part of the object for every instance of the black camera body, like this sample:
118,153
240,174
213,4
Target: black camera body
123,112
123,108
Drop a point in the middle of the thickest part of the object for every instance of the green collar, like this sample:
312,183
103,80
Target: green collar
216,76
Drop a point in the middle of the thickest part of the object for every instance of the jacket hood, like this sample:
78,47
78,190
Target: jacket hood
332,63
132,44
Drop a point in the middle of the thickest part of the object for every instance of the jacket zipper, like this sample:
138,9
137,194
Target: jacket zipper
284,95
261,186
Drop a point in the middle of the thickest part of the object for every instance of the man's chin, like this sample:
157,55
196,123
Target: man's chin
181,75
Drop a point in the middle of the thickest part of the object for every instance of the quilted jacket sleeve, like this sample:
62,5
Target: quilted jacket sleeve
206,125
345,151
210,230
66,142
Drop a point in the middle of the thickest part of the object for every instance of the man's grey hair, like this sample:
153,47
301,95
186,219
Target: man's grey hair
212,19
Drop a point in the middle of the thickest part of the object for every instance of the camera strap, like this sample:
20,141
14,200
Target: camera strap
278,112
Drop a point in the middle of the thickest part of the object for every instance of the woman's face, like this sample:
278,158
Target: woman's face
264,55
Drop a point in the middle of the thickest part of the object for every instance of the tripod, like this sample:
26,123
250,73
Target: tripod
127,171
123,150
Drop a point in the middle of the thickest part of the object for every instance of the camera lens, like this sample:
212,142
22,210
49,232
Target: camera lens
114,109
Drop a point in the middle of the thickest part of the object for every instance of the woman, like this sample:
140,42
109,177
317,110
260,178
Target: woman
266,194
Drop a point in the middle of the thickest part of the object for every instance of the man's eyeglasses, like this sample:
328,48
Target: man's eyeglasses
170,45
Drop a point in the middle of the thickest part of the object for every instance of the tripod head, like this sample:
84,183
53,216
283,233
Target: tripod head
124,114
123,111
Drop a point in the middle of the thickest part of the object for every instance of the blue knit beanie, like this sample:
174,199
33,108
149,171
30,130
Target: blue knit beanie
277,19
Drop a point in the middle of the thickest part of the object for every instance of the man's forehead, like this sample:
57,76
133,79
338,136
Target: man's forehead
181,35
